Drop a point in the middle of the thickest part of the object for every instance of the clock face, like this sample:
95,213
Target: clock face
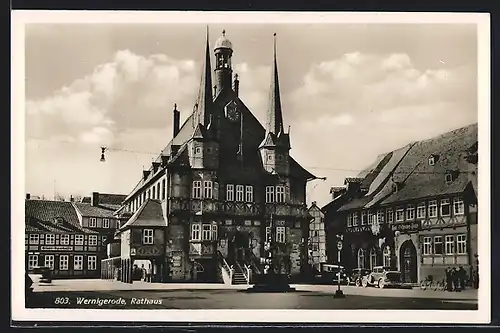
232,112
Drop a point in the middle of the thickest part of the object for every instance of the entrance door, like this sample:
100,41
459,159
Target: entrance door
408,262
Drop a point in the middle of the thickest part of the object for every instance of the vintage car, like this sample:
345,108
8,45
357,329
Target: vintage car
356,276
329,273
41,274
382,277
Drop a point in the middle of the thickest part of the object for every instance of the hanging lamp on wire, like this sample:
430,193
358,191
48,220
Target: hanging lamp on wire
103,150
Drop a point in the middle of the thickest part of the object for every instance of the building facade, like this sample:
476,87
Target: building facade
317,238
415,209
220,181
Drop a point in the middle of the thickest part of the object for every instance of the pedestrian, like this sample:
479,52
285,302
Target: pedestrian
462,274
143,271
448,279
454,278
148,274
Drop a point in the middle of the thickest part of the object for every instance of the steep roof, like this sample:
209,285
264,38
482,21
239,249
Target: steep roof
42,214
149,214
88,210
419,179
111,199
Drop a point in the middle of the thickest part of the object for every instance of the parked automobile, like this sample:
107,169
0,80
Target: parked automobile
41,274
382,277
356,276
330,274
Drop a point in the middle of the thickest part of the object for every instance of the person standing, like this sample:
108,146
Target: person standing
462,274
148,274
454,278
447,272
143,271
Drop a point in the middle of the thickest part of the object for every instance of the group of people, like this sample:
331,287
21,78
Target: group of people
456,279
142,273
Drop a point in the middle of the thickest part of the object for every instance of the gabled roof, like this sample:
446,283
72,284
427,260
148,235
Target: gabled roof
42,215
88,210
149,214
419,179
111,199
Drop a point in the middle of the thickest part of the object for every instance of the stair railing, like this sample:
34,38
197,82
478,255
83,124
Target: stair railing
248,273
225,266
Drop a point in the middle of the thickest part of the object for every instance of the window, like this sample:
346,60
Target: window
361,258
92,240
78,263
207,189
280,194
147,236
380,216
349,220
92,262
280,234
431,160
363,218
445,207
158,191
63,262
163,189
433,208
400,214
239,193
410,212
269,194
387,256
197,150
105,223
421,211
195,232
249,193
34,238
92,222
230,192
214,231
373,258
50,239
427,245
64,240
49,260
461,244
118,224
370,218
197,189
354,219
207,229
32,261
448,178
438,245
458,206
390,215
449,244
78,239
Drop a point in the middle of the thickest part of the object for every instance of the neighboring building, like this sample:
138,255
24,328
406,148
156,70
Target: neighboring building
55,238
317,239
414,210
219,182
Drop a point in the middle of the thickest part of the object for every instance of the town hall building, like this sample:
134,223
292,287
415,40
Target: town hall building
204,208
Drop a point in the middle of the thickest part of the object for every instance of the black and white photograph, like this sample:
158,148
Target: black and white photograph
318,165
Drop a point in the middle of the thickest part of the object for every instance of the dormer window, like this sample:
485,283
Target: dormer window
58,220
448,177
197,150
433,159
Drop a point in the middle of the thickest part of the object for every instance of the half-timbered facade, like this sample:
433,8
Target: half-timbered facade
222,178
55,238
415,209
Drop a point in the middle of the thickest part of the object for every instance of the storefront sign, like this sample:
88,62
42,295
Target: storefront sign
406,226
56,248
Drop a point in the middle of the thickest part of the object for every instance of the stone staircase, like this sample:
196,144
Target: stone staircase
239,276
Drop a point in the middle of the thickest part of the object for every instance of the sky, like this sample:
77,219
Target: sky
349,93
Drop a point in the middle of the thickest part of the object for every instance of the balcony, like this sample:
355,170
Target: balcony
197,206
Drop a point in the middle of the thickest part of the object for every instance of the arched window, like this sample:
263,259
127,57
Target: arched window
387,256
361,258
373,258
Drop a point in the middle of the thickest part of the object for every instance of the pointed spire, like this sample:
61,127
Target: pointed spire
205,97
274,115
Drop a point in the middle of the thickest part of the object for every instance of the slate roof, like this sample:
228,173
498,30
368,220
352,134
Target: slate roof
88,210
408,167
419,179
111,199
42,215
149,214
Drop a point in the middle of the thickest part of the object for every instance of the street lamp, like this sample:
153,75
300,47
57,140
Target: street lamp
339,293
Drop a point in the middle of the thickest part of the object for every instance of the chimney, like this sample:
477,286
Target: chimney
177,121
94,201
71,198
28,196
236,85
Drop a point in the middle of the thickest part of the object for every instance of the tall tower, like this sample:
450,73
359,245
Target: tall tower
223,70
275,147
